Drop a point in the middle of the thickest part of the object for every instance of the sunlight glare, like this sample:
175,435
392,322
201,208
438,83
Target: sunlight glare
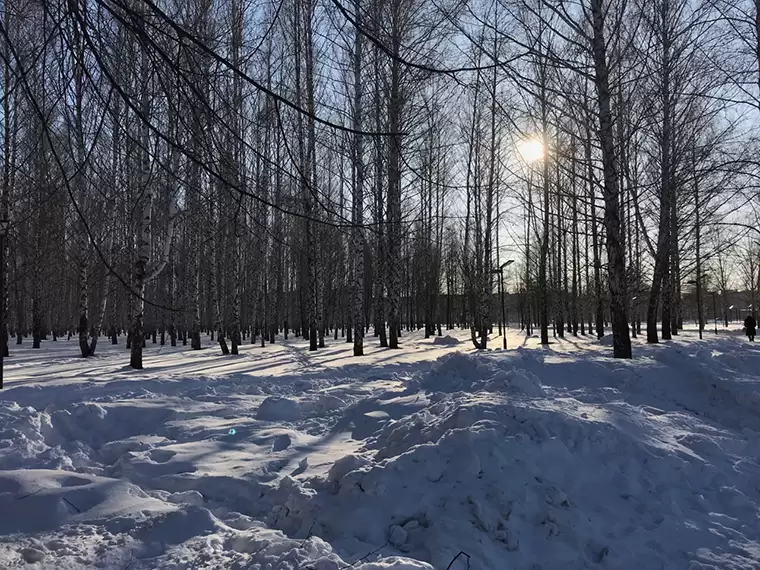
531,150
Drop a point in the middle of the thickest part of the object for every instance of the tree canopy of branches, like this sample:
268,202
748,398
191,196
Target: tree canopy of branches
257,169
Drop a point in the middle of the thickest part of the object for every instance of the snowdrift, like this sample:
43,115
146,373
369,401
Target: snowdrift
459,372
446,341
527,459
515,485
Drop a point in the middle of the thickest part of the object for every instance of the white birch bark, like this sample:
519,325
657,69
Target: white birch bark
358,197
144,225
612,222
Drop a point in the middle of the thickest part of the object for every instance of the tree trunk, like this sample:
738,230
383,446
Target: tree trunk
393,252
615,243
357,213
144,227
662,253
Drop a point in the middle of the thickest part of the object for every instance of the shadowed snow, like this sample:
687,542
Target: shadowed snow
278,458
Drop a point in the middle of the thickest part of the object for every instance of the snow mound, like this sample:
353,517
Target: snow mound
455,372
279,409
727,381
514,381
345,465
430,424
528,459
188,497
66,438
607,340
459,372
473,490
22,443
321,404
39,500
530,356
446,341
271,550
522,486
81,522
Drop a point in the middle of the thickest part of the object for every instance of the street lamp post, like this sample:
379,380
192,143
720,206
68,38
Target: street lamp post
501,294
715,312
3,232
503,305
699,305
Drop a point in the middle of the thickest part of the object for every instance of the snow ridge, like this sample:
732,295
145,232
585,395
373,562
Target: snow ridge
525,459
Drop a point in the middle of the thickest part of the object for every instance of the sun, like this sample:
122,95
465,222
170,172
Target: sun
531,150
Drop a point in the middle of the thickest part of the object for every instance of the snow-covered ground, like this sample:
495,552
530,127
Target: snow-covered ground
427,457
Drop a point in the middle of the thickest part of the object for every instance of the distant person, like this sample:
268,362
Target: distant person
750,326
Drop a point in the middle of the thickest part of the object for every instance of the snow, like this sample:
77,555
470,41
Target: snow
447,340
530,458
276,408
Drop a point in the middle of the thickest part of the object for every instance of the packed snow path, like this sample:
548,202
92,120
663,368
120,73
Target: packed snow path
283,459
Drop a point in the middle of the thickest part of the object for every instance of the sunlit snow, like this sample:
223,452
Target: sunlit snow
283,459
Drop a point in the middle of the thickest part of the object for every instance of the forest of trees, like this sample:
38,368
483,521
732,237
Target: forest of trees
260,169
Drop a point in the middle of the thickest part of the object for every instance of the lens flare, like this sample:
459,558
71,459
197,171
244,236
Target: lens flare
531,150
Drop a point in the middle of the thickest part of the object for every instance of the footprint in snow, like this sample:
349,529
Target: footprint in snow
74,481
275,466
281,442
161,455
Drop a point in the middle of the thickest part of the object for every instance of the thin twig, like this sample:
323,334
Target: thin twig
461,552
308,536
369,554
29,494
72,504
253,556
